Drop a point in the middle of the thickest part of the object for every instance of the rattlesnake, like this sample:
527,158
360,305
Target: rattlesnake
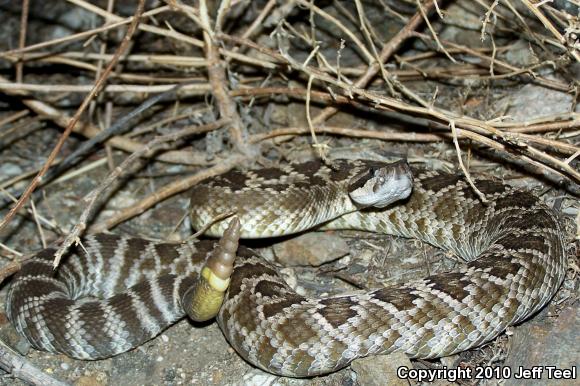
513,246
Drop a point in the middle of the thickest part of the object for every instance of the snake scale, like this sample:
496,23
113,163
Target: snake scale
119,292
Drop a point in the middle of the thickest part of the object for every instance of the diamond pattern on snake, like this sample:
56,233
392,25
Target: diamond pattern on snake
124,291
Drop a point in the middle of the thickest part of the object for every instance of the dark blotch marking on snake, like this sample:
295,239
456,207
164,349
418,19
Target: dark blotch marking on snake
439,182
401,298
276,307
337,310
516,201
452,284
235,180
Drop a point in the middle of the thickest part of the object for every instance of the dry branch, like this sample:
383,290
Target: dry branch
128,166
97,87
20,368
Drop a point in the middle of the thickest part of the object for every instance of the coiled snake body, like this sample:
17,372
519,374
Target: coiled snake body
125,291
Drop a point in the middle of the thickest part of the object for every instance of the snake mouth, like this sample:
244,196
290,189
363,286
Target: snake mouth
381,186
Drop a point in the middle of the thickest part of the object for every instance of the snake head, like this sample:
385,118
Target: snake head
380,186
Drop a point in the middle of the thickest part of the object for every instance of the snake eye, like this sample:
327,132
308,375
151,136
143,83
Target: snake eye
379,184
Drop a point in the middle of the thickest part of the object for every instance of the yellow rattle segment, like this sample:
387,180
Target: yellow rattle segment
214,281
203,300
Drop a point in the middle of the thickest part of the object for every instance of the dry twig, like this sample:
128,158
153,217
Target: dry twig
98,86
125,167
19,367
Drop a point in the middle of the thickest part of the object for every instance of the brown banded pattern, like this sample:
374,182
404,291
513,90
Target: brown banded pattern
513,249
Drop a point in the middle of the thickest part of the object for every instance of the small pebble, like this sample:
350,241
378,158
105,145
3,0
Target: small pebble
311,249
256,377
10,169
381,369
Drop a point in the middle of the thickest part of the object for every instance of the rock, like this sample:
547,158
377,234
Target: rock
11,338
8,169
257,377
381,370
536,101
545,342
520,54
311,249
